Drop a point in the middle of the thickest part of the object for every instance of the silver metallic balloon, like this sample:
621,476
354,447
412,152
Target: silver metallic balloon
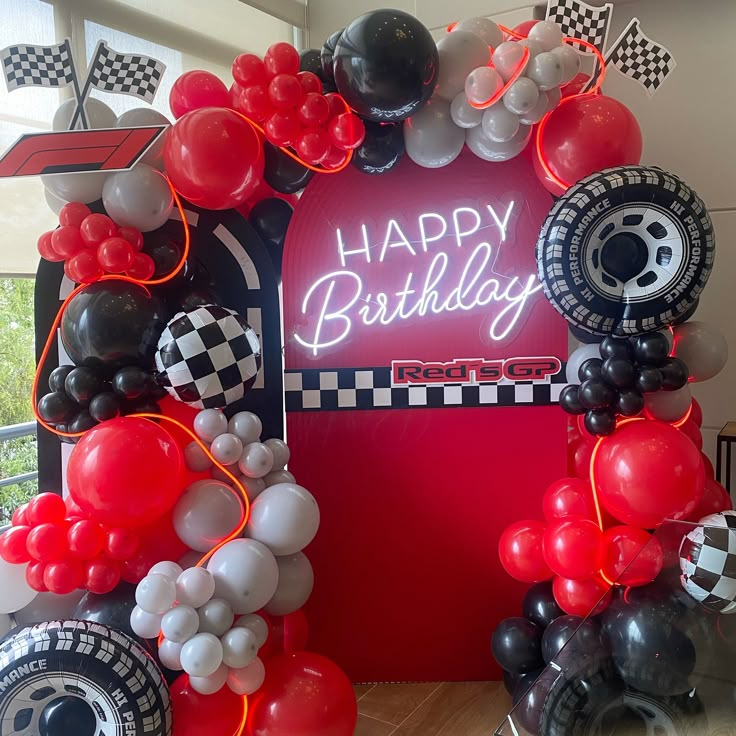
545,70
577,358
702,347
482,84
140,117
431,137
521,96
570,59
463,113
296,580
507,58
547,33
499,124
483,147
140,198
484,28
459,53
668,406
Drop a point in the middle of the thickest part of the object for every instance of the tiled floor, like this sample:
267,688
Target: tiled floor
431,709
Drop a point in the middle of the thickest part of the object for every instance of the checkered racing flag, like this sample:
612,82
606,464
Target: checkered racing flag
580,20
125,74
640,58
43,66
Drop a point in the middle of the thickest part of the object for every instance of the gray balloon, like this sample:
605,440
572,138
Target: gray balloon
577,358
55,204
296,580
85,188
521,96
499,124
459,53
702,347
140,117
553,98
139,198
506,59
211,423
431,137
484,28
463,113
570,61
483,147
49,607
535,48
205,514
668,406
545,70
537,112
482,83
547,33
98,114
195,458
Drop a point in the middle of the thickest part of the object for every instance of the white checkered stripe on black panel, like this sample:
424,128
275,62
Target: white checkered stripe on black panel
208,358
44,66
370,388
708,561
126,74
579,20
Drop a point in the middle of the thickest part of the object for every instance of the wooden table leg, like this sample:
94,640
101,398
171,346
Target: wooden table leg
719,444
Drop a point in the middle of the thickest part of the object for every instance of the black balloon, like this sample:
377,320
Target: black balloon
56,407
282,173
517,645
594,394
112,609
523,683
386,65
616,347
540,606
649,379
327,55
82,384
381,149
584,636
570,400
600,422
674,374
82,422
166,254
651,349
630,402
140,406
579,333
191,298
104,406
68,714
131,382
530,696
112,324
309,61
270,219
590,368
58,377
510,680
618,372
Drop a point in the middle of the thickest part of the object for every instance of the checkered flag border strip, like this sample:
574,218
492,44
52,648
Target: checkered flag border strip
371,388
42,66
125,74
580,20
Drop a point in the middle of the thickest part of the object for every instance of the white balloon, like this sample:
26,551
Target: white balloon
553,98
246,574
201,655
206,513
668,406
222,477
195,458
210,423
535,48
140,117
296,581
256,460
212,684
85,188
277,476
169,652
547,33
6,624
463,113
144,624
139,198
246,425
285,518
431,137
545,70
189,559
246,680
239,647
55,204
180,624
537,112
570,59
507,58
215,617
702,347
168,569
16,593
156,593
98,114
255,623
255,486
499,124
281,452
482,84
195,586
48,607
521,96
459,53
227,448
484,28
483,147
577,358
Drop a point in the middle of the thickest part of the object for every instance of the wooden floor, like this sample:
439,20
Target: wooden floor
431,709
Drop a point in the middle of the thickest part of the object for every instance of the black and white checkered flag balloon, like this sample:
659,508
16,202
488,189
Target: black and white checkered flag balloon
708,562
42,66
125,74
208,358
580,20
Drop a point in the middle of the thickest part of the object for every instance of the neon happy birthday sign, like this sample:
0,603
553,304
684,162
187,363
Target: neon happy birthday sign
452,267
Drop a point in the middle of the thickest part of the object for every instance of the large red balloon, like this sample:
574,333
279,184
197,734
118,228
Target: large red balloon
286,634
631,556
206,715
648,471
584,134
582,458
581,597
214,158
304,694
196,89
715,498
520,550
569,497
125,472
572,548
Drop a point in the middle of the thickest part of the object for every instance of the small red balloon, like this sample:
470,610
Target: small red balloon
333,159
313,110
20,516
159,540
696,413
631,556
206,715
581,597
573,548
73,213
520,550
347,131
84,267
569,497
691,430
249,69
13,545
709,469
309,82
115,255
576,85
34,576
121,544
85,539
66,241
142,268
64,576
524,27
132,235
47,542
715,499
255,102
281,58
95,228
581,461
196,89
283,129
337,104
313,145
46,508
284,92
101,575
46,249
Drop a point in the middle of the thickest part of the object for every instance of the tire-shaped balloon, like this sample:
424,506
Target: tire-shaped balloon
625,251
80,678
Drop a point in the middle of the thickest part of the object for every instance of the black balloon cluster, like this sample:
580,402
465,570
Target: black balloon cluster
270,219
614,384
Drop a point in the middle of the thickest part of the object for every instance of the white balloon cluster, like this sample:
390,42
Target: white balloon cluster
475,63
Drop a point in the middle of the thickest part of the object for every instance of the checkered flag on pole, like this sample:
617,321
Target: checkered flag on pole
43,66
580,20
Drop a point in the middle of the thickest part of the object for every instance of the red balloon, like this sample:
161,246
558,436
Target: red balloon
575,85
285,92
310,82
709,470
333,159
73,213
572,548
95,228
581,597
583,456
214,158
132,235
691,430
249,69
286,634
696,413
64,576
197,89
101,575
85,539
84,267
520,550
206,715
46,508
715,499
569,497
73,512
136,568
125,472
347,131
337,104
283,129
314,110
115,255
46,250
525,26
585,134
47,542
313,145
142,268
34,576
281,58
13,545
122,544
255,102
66,241
20,516
648,471
304,694
631,556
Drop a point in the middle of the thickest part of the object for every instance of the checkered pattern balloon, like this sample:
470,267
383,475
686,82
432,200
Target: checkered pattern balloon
708,562
208,358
